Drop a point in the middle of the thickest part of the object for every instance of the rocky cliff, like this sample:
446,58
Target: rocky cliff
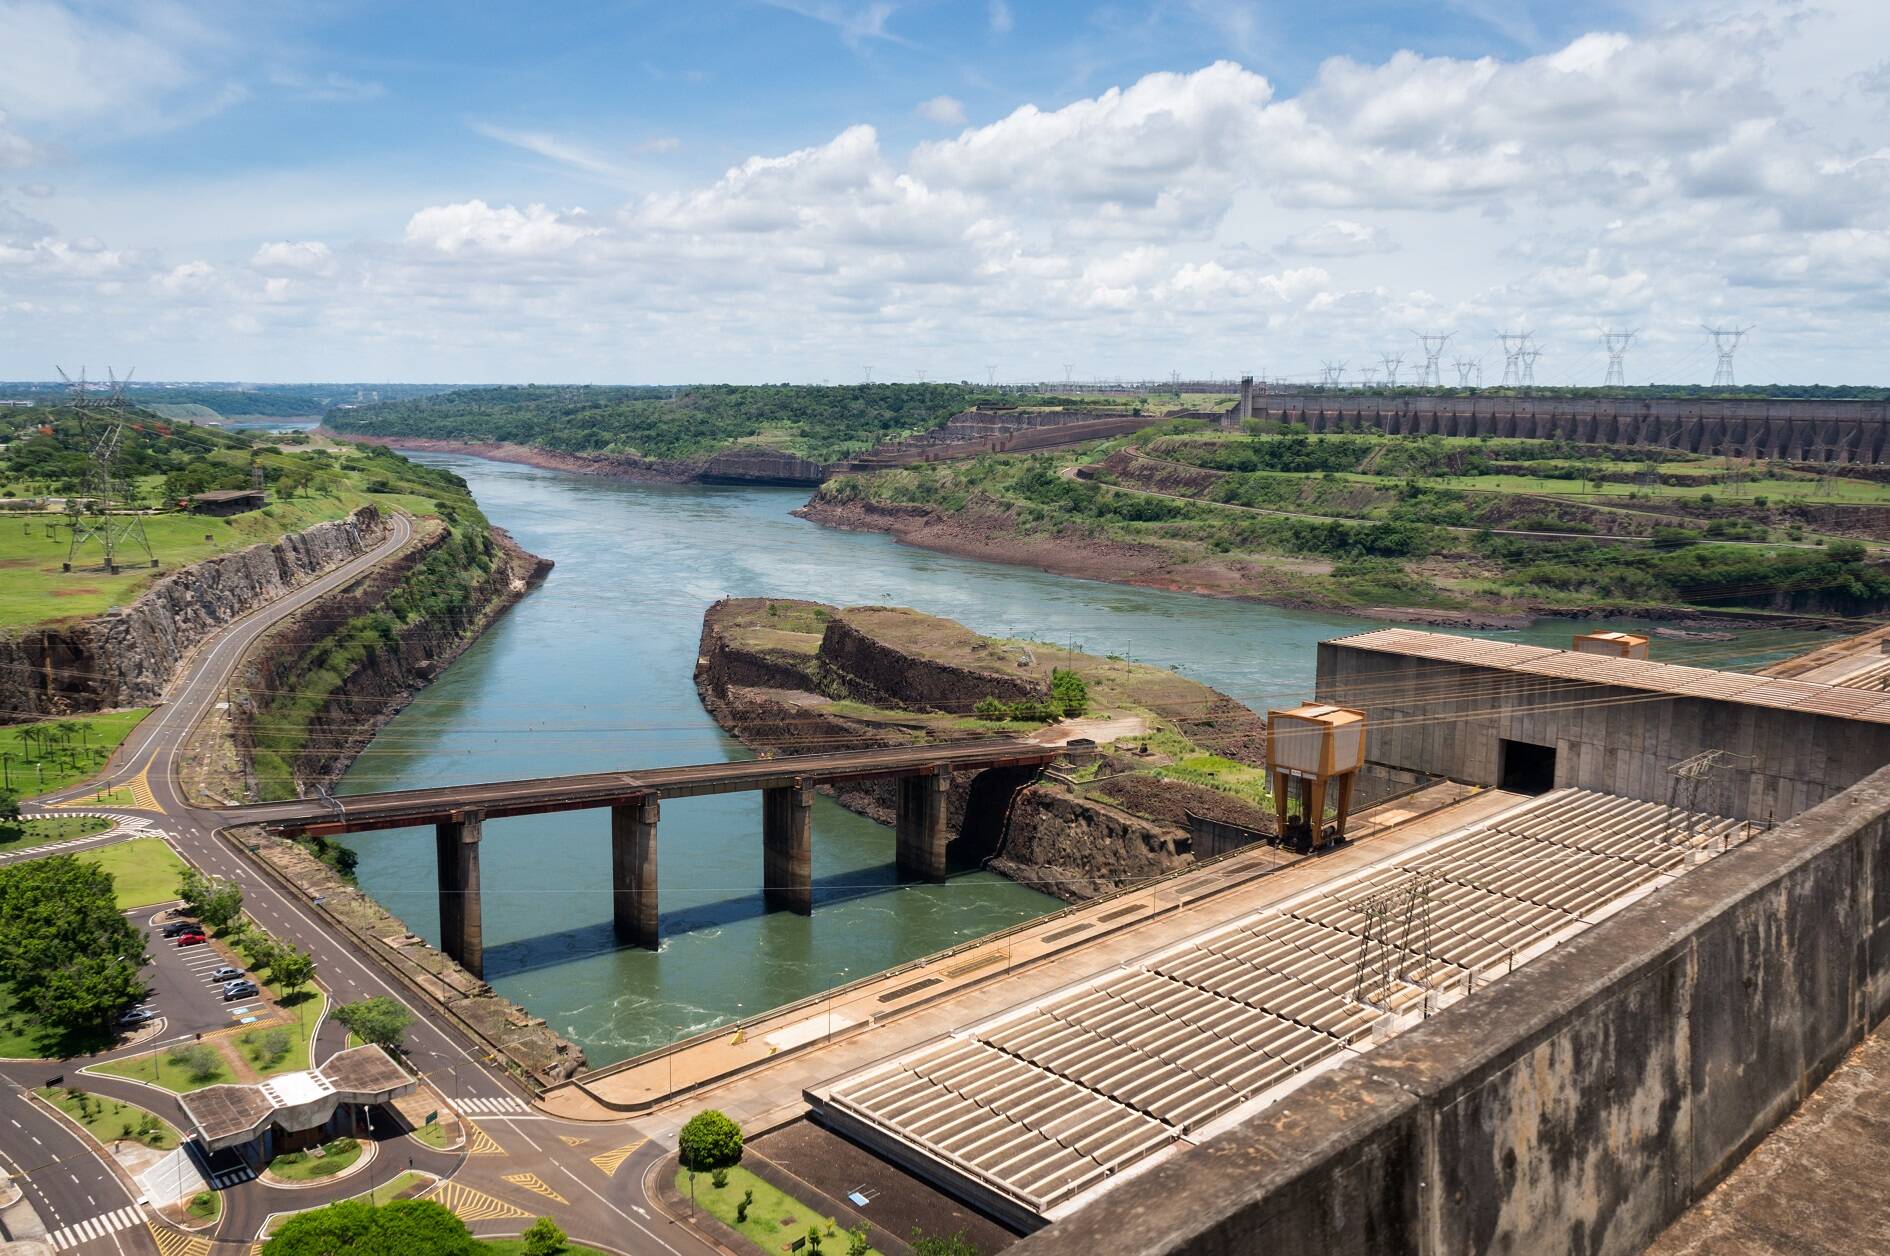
789,677
741,464
129,656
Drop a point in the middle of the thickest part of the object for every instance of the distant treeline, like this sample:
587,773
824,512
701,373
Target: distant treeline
822,423
272,400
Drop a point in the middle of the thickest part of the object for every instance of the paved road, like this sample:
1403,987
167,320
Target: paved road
602,1193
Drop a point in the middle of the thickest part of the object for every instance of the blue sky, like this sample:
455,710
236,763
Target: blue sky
641,191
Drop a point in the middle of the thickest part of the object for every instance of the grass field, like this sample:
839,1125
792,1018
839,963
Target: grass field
388,1192
158,1069
144,870
33,760
106,1119
433,1135
301,1166
516,1247
34,590
253,1045
774,1218
30,833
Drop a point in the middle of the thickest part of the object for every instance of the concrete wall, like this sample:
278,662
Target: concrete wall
1577,1105
1449,719
1807,431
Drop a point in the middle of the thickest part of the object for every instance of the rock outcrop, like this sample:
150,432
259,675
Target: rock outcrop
129,656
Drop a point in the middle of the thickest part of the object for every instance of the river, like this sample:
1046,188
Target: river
593,672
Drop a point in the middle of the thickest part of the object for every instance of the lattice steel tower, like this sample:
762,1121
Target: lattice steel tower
1515,343
1392,362
91,517
1726,341
1617,343
1433,350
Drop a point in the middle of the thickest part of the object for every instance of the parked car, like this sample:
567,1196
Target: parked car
228,972
238,990
177,928
192,939
135,1016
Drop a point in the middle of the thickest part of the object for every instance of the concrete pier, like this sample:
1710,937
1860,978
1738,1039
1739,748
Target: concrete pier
920,826
633,871
456,842
787,849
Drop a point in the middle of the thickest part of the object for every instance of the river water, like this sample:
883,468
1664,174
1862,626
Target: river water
593,672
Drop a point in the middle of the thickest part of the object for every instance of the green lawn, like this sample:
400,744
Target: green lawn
516,1247
157,1068
301,1166
106,1119
388,1192
433,1135
204,1206
144,870
31,833
252,1045
34,590
52,754
763,1226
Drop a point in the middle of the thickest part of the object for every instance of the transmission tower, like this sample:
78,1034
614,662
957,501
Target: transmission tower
1689,777
990,375
1469,369
866,374
1515,343
1726,341
75,388
91,517
1433,350
1367,375
1396,930
1334,374
1528,358
1392,362
1617,343
1066,377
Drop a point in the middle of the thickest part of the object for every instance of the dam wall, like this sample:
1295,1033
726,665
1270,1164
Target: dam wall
1856,432
1580,1104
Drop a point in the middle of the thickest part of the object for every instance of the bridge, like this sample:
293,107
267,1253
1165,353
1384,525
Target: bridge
459,812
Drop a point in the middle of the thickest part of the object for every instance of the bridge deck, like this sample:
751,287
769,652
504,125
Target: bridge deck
356,813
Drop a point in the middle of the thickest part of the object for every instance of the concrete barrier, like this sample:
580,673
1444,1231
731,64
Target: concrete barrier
1580,1104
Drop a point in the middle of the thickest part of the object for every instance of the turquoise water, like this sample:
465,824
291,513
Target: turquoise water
594,672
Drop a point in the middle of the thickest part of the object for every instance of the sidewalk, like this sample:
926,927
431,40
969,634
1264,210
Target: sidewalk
886,1015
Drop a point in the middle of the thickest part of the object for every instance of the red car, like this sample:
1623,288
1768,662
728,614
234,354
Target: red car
191,939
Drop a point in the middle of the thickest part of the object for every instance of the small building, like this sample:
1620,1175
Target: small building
1621,645
293,1111
228,501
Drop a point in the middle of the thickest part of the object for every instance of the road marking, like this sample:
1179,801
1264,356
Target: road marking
172,1243
481,1143
95,1227
532,1182
569,1141
490,1107
233,1177
471,1205
610,1161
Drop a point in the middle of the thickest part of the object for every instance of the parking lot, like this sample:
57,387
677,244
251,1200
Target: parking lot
186,989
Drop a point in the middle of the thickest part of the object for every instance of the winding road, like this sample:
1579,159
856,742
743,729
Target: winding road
517,1163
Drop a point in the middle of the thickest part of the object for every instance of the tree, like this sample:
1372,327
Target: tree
859,1242
212,900
379,1020
69,955
354,1228
924,1244
9,806
1068,693
710,1141
291,968
544,1238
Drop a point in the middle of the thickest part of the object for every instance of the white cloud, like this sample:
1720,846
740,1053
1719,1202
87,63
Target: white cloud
660,144
856,23
1341,237
16,151
1000,18
944,110
294,256
550,147
476,226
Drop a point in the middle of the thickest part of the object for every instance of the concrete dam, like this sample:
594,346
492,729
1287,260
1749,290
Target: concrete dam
1852,432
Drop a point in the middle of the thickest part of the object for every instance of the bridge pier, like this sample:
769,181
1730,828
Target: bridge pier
919,825
456,843
633,871
787,847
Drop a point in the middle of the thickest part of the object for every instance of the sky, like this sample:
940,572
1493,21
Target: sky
809,190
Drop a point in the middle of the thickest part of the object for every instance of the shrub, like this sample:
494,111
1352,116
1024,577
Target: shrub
719,1179
1068,693
741,1209
710,1140
200,1063
544,1238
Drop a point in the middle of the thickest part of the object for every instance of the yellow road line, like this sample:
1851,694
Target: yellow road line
532,1182
480,1143
472,1205
611,1161
171,1243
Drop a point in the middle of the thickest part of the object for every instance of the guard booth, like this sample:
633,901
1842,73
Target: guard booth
1314,751
1620,645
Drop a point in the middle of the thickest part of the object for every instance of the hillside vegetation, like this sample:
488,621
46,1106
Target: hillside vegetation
820,423
1350,521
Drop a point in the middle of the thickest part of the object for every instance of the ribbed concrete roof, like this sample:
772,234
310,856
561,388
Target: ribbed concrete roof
1811,697
1051,1100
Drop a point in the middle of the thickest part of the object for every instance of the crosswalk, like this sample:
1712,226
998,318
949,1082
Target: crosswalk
493,1107
122,826
95,1227
232,1177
